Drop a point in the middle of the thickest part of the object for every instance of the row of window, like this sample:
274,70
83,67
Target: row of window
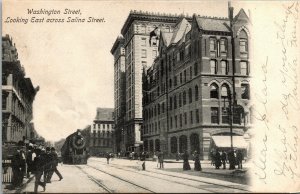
225,91
144,53
237,116
182,98
154,111
98,126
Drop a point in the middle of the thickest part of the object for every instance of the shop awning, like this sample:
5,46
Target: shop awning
224,141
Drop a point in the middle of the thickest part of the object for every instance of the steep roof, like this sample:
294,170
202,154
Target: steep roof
213,24
104,114
166,37
180,30
241,16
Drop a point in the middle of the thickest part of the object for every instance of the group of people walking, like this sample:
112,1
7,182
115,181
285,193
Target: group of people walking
40,161
233,157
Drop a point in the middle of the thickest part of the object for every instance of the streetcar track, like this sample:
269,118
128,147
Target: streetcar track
96,181
144,188
226,186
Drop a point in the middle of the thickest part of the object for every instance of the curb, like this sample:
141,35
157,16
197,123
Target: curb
24,184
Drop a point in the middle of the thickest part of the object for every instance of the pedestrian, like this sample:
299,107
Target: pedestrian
186,165
39,169
54,165
240,158
212,157
143,158
197,166
17,164
107,157
48,164
29,159
231,160
224,159
161,159
217,160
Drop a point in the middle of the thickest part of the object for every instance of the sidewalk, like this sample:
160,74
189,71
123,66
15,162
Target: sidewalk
7,187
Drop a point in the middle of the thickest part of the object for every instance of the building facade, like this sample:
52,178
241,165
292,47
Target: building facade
140,41
189,102
101,135
118,51
18,95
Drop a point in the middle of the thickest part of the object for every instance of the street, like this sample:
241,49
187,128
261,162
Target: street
122,175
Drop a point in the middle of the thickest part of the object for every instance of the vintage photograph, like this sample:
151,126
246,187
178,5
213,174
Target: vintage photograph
150,96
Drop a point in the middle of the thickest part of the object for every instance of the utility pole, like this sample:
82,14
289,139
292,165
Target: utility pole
232,101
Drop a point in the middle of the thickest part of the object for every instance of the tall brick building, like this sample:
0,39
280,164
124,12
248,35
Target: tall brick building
18,94
188,91
140,42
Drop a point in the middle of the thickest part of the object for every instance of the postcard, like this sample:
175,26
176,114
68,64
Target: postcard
150,96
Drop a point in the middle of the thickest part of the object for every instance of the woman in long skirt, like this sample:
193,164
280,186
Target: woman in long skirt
186,165
197,166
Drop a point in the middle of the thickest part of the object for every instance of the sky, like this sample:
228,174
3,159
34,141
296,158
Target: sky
71,62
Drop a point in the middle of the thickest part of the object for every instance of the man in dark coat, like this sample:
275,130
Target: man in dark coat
48,164
39,169
143,158
223,159
239,158
197,166
186,165
161,159
54,165
217,160
231,160
29,160
18,162
107,157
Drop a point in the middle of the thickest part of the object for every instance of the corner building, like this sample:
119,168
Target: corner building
188,90
18,94
140,41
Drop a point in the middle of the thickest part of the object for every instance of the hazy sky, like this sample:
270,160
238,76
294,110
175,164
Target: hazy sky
71,62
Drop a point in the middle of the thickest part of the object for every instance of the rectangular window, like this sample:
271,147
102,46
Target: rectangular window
213,67
180,78
171,122
243,46
143,42
191,73
214,115
185,118
180,120
223,45
244,68
212,44
224,67
144,53
225,115
175,80
197,116
176,121
191,116
175,102
184,73
245,91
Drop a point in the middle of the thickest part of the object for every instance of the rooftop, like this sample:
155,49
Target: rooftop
105,114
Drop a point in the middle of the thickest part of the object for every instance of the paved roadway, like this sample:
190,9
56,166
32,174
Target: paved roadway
126,176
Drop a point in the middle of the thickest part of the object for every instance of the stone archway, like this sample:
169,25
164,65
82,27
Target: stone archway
194,142
182,143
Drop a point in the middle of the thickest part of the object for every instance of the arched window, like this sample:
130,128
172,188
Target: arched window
196,93
190,95
184,98
173,145
182,143
243,41
225,91
224,68
213,67
195,69
214,91
179,100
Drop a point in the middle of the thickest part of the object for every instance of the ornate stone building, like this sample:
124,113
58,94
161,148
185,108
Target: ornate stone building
18,94
188,91
140,41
